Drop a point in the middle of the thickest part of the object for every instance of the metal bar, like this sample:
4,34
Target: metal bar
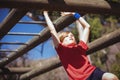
32,22
23,34
13,43
12,18
86,6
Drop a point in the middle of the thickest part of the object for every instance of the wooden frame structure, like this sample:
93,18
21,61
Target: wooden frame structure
18,11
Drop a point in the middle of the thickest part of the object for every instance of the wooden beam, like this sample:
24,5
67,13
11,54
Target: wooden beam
104,41
23,34
13,43
44,35
50,65
32,22
15,70
86,6
6,50
44,66
11,19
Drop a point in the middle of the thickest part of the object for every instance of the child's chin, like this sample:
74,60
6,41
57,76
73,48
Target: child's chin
71,44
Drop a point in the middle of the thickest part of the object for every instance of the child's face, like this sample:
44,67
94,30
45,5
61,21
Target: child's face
69,39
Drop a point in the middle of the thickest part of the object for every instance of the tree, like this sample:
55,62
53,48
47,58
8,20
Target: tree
96,27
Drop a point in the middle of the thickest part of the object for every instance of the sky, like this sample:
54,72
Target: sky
35,53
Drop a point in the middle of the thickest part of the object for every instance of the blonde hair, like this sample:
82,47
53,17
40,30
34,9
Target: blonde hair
62,35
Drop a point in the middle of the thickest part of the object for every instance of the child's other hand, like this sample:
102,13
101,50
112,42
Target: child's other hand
45,12
66,13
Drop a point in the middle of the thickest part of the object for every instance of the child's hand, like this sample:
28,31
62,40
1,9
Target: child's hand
45,12
67,13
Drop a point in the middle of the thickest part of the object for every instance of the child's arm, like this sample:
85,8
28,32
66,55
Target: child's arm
79,29
86,26
83,27
53,32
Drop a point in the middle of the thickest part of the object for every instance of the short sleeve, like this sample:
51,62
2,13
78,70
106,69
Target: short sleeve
59,48
83,45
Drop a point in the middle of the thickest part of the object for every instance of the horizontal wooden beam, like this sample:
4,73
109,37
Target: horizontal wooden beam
47,66
13,43
32,22
15,70
104,41
6,50
23,34
83,6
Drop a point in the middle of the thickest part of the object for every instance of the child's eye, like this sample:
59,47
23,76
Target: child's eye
71,35
66,36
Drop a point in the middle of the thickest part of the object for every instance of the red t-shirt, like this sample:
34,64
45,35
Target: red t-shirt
75,61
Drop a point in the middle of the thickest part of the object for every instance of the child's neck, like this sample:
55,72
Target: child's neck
72,44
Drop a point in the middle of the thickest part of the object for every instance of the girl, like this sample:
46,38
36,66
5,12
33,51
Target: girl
72,55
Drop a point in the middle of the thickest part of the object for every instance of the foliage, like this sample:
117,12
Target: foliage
101,25
96,27
109,24
116,69
97,59
112,21
116,66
